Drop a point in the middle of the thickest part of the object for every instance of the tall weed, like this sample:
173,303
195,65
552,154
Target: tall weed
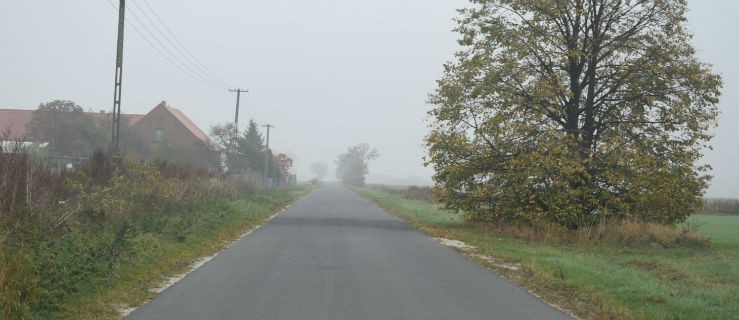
19,288
64,234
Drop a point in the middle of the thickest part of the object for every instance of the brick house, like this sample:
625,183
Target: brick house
165,132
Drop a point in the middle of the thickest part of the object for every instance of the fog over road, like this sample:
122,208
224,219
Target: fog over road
332,255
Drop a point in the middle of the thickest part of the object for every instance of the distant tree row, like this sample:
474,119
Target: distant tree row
722,206
352,166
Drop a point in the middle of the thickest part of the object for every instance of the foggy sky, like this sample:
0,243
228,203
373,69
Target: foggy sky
328,74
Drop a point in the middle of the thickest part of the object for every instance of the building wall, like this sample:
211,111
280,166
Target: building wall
176,143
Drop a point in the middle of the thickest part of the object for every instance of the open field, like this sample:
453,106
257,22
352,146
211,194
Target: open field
605,281
722,229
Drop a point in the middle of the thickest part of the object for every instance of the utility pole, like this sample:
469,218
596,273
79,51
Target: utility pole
236,118
266,154
238,96
118,79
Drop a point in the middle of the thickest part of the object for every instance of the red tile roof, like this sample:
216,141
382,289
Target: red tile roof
103,119
134,118
15,120
191,126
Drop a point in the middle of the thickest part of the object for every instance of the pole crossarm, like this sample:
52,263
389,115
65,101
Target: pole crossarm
238,97
236,118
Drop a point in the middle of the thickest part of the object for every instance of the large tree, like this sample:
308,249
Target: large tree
245,151
68,129
572,111
225,135
352,166
251,146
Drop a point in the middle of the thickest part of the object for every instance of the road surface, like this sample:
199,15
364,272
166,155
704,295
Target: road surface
332,255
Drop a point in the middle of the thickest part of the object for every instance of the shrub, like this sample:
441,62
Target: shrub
66,233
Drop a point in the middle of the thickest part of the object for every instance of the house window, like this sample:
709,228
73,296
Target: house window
158,134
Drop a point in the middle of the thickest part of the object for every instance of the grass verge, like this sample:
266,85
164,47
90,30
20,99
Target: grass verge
151,248
155,257
601,281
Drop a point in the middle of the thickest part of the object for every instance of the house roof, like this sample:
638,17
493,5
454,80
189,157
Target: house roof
134,118
191,126
15,120
103,119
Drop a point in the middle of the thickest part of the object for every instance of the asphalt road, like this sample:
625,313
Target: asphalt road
332,255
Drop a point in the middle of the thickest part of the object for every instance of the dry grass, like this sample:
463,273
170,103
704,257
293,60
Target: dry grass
625,232
613,231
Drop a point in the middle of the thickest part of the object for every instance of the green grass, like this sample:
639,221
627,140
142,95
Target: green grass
722,229
603,281
153,255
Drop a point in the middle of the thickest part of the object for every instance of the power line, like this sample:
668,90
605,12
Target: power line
203,74
255,110
195,59
159,51
189,72
190,66
166,48
249,107
250,110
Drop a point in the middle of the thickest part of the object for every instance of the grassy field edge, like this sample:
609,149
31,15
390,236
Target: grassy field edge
594,281
540,287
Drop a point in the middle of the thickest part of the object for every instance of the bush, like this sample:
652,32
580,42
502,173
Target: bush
64,234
